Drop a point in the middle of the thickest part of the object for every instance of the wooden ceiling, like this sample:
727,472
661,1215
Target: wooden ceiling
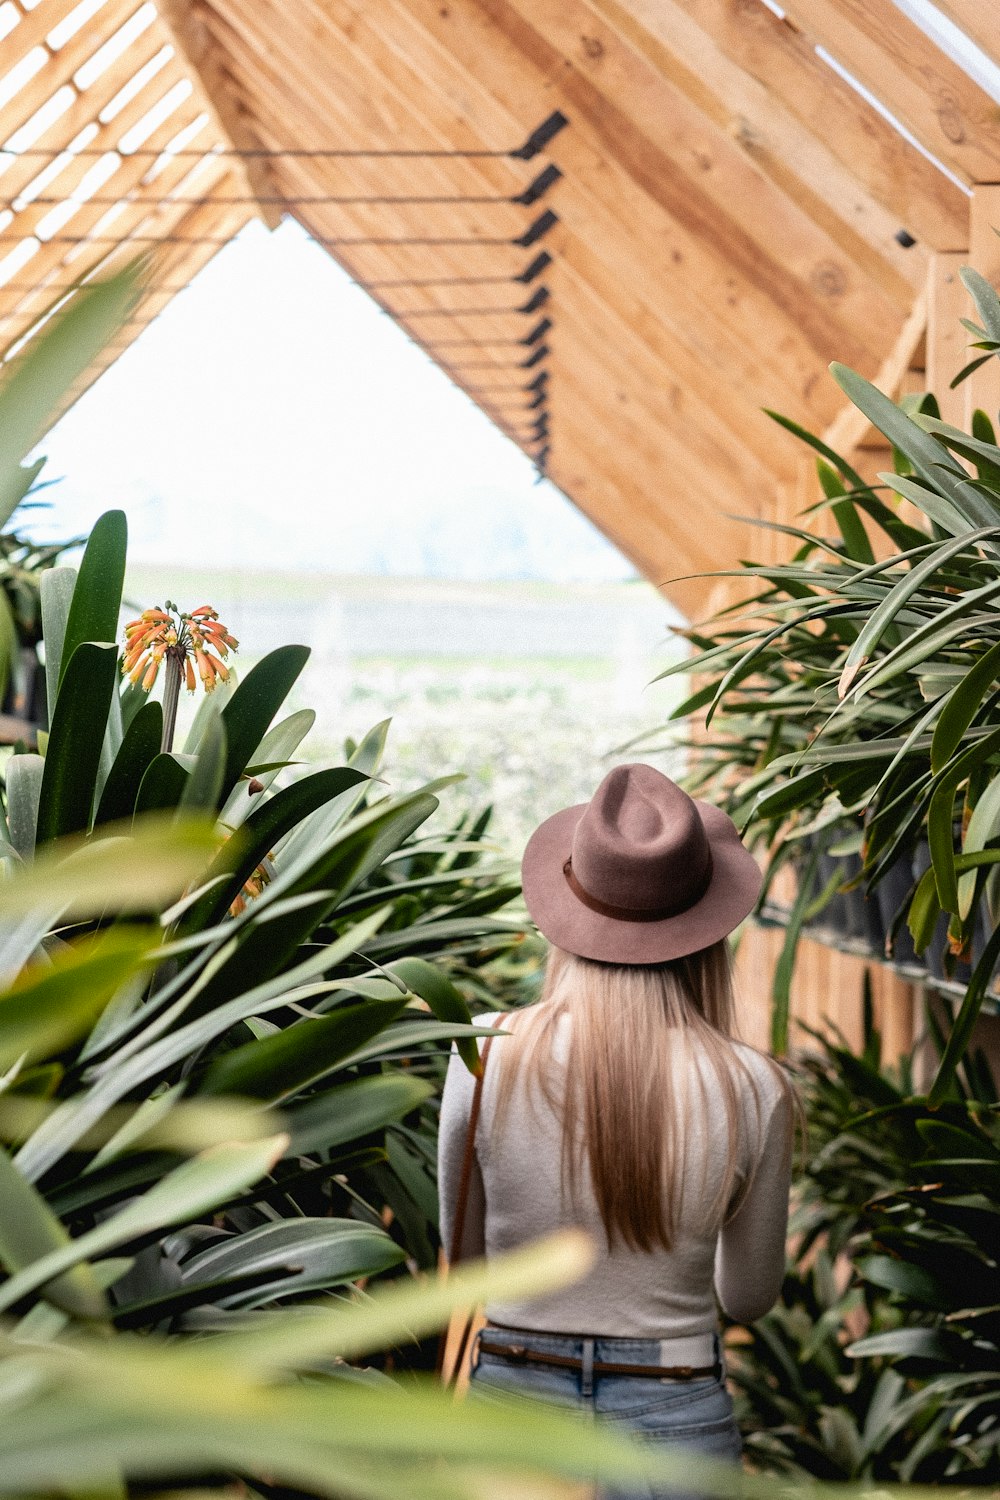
732,212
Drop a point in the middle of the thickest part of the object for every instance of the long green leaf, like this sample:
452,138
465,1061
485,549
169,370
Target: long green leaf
14,485
194,1188
162,785
929,458
353,1110
963,703
278,745
940,814
133,869
933,505
964,1023
925,908
24,787
74,748
888,611
38,381
46,1009
321,1252
845,513
139,748
97,597
404,1310
782,983
56,595
30,1232
985,297
201,792
254,704
261,832
275,1066
445,1000
984,826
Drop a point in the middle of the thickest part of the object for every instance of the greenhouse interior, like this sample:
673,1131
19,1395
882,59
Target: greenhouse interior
499,749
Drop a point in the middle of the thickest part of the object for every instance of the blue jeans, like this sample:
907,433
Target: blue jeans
694,1414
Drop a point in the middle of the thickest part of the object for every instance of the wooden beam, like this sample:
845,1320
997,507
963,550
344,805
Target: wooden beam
947,340
659,471
622,68
772,140
672,250
978,19
130,169
192,39
632,120
59,70
782,62
930,95
631,281
57,264
983,388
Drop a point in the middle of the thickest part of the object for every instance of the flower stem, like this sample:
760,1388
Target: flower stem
171,692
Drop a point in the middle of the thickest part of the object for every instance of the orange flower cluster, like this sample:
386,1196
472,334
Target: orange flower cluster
261,877
194,640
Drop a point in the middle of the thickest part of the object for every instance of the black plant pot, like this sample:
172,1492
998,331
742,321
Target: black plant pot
864,920
851,916
833,921
890,896
936,952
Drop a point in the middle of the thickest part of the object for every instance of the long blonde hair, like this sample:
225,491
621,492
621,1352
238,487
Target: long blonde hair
622,1110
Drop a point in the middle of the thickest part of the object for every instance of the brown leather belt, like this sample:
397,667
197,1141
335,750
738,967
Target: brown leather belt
521,1354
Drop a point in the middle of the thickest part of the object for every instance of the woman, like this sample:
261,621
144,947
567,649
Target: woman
622,1104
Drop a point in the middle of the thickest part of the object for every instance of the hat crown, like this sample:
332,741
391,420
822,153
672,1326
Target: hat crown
640,844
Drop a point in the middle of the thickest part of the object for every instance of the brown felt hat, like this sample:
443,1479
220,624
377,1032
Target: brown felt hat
640,874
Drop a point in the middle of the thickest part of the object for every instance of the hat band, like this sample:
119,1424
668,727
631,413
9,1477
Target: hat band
631,913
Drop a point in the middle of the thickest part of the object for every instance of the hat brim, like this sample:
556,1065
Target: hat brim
573,926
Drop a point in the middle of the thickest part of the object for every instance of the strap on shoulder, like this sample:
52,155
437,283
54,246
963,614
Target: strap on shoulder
465,1179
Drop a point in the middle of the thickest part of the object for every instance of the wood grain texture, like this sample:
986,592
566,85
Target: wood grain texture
979,20
930,95
728,211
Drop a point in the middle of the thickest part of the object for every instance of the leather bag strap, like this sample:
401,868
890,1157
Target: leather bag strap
458,1227
468,1158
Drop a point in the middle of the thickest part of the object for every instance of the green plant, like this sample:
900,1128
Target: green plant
22,563
882,1359
857,693
295,971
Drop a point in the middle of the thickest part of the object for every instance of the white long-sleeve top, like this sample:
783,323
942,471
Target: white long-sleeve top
516,1196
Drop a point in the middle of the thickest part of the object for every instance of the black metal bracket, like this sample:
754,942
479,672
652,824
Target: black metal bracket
536,189
539,139
536,334
537,229
531,272
535,301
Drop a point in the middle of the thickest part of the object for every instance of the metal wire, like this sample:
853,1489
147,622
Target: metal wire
277,198
465,343
262,153
199,239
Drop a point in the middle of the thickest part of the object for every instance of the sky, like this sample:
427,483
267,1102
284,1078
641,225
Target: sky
273,416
